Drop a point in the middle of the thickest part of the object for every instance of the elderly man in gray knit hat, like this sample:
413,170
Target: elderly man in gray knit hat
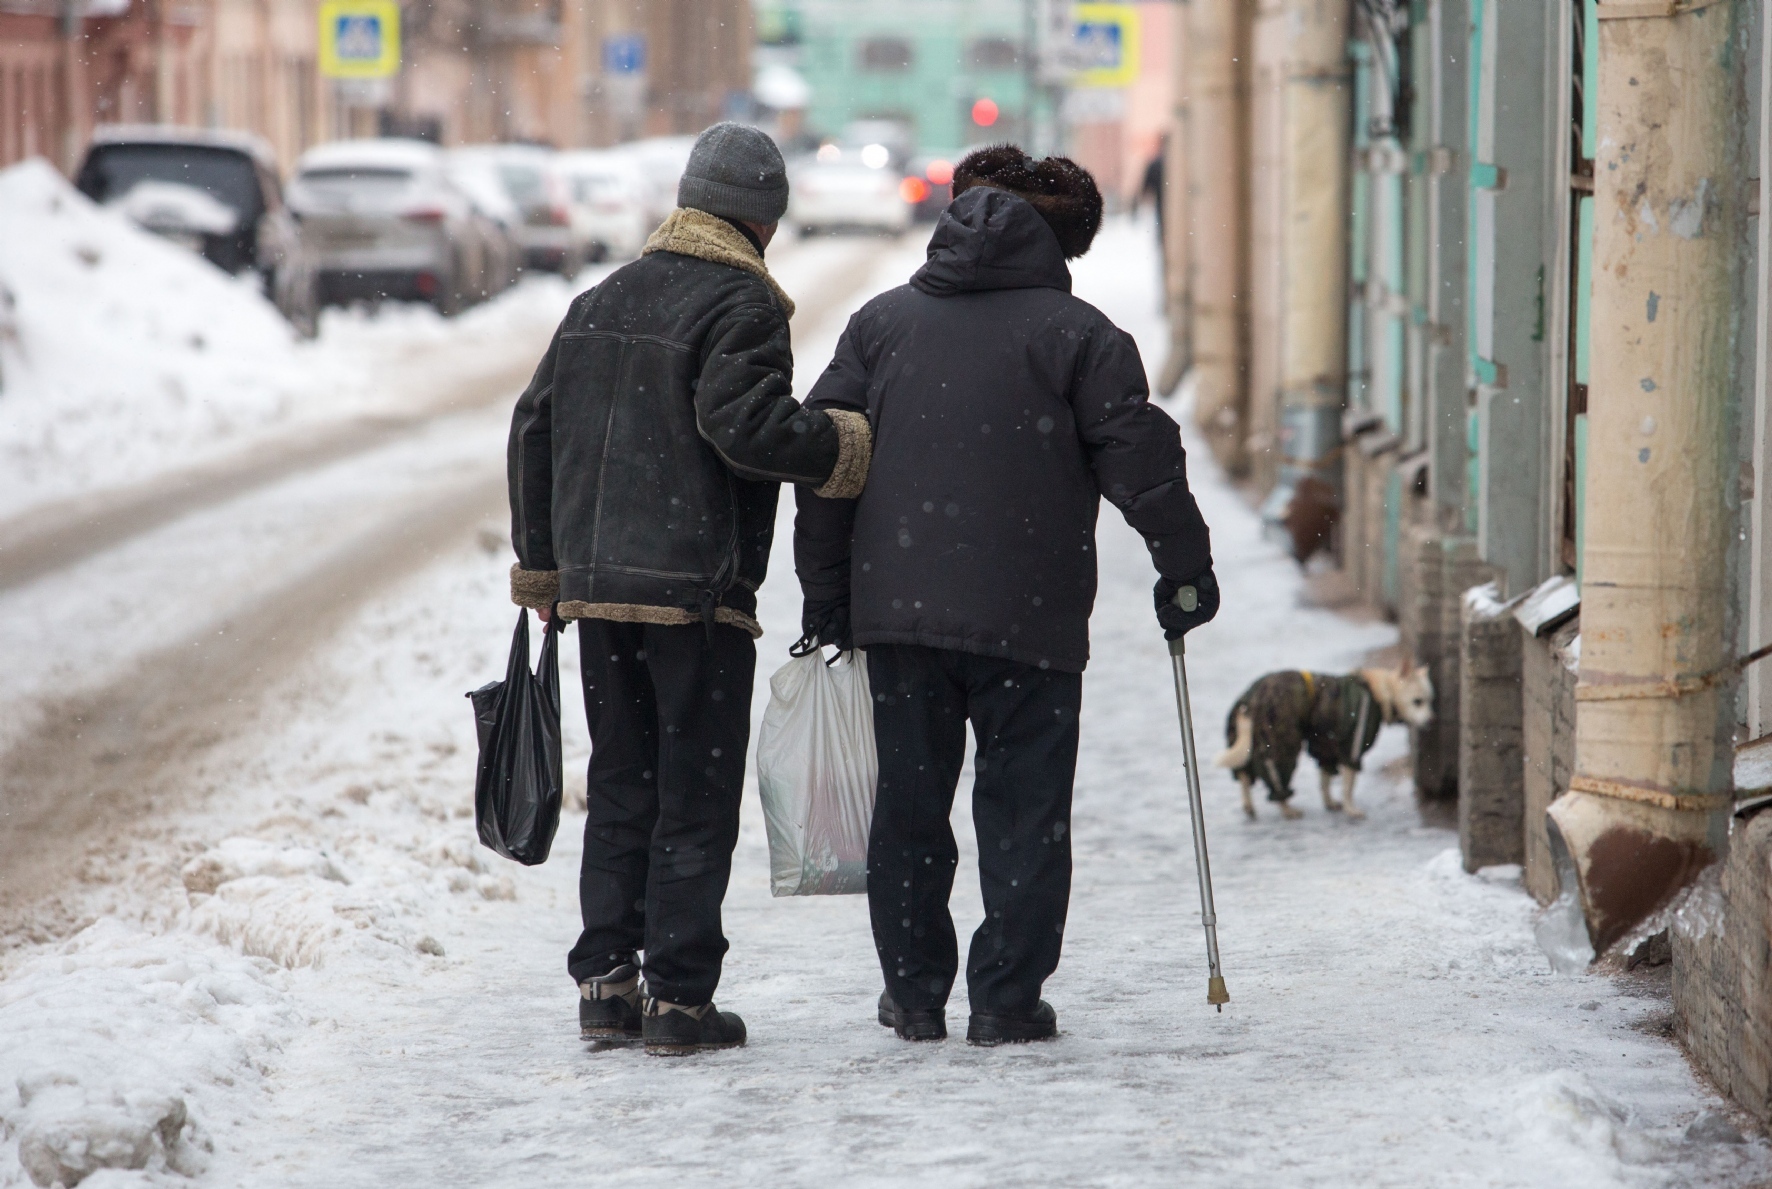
645,460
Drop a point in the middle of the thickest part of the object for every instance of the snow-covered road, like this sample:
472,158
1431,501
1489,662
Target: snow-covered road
337,987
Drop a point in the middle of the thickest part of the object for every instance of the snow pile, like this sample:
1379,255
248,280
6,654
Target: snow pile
1579,1136
300,906
125,346
123,1050
123,355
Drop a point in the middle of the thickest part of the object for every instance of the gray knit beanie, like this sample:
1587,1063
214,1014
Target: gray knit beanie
736,172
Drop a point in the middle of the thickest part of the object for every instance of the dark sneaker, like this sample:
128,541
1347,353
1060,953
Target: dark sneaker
1007,1027
609,1006
672,1030
913,1023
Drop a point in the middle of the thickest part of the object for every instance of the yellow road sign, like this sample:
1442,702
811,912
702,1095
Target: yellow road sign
1104,44
359,38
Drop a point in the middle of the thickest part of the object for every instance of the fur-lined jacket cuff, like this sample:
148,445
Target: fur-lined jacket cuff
534,588
855,450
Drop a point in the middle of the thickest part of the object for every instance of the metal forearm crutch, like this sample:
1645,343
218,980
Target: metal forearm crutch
1187,598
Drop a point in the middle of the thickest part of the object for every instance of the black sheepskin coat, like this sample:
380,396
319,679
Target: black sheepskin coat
1003,409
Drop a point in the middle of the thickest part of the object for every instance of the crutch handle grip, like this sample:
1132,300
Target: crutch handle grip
1187,598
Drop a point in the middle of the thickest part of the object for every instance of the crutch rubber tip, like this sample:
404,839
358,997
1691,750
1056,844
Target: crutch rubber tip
1216,995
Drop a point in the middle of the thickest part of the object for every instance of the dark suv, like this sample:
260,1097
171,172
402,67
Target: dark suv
215,192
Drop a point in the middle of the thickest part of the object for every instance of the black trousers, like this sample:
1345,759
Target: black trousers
670,718
1025,719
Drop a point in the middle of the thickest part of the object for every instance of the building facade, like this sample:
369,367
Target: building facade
927,64
562,72
1531,424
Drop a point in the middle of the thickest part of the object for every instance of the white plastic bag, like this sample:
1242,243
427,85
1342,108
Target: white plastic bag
816,767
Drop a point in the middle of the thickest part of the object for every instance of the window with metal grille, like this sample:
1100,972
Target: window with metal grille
886,54
994,53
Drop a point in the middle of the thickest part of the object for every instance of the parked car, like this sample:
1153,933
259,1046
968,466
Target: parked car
843,189
892,135
531,178
661,160
607,192
215,192
498,224
382,220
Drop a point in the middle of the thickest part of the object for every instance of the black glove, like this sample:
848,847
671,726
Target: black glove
1175,621
827,623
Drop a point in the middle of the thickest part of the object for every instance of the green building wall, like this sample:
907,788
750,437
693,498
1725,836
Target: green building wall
824,40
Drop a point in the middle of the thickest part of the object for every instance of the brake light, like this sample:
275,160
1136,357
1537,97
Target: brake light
913,190
424,214
427,284
559,216
940,173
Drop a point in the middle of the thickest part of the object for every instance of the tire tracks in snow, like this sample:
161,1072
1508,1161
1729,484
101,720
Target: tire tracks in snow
52,538
104,768
45,539
86,782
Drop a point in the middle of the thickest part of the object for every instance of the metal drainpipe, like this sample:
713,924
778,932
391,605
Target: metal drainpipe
1317,117
1218,148
1649,802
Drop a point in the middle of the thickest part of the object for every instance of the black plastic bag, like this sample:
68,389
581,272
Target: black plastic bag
517,783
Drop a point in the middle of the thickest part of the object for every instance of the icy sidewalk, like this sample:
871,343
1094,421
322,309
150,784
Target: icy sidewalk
337,987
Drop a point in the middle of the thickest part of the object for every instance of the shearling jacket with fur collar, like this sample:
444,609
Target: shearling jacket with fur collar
648,450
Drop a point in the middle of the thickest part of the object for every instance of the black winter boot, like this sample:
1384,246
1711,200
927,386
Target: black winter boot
672,1030
913,1024
1003,1027
609,1005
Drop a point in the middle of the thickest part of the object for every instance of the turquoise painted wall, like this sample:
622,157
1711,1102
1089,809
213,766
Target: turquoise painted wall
935,94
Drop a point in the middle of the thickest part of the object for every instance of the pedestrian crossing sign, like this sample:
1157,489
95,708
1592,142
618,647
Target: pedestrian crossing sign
1104,45
359,38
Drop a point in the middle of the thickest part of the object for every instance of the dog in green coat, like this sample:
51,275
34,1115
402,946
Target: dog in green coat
1335,718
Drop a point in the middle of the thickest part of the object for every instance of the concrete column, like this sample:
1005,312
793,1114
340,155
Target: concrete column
1310,204
1648,803
1218,52
1176,212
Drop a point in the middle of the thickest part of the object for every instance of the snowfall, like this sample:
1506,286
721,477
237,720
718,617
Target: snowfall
299,968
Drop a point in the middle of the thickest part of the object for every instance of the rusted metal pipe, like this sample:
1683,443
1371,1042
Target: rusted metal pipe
1647,808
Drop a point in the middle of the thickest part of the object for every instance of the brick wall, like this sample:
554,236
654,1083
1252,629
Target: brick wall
1491,791
1433,573
1721,981
1547,744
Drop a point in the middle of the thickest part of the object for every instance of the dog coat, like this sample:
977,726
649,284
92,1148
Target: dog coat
1335,718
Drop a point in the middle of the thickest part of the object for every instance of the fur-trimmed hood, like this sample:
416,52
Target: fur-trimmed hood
689,232
1063,192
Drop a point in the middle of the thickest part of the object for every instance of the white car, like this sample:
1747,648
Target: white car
661,160
845,189
530,176
381,220
607,191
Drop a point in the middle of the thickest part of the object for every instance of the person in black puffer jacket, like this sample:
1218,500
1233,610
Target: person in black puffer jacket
1003,409
645,459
